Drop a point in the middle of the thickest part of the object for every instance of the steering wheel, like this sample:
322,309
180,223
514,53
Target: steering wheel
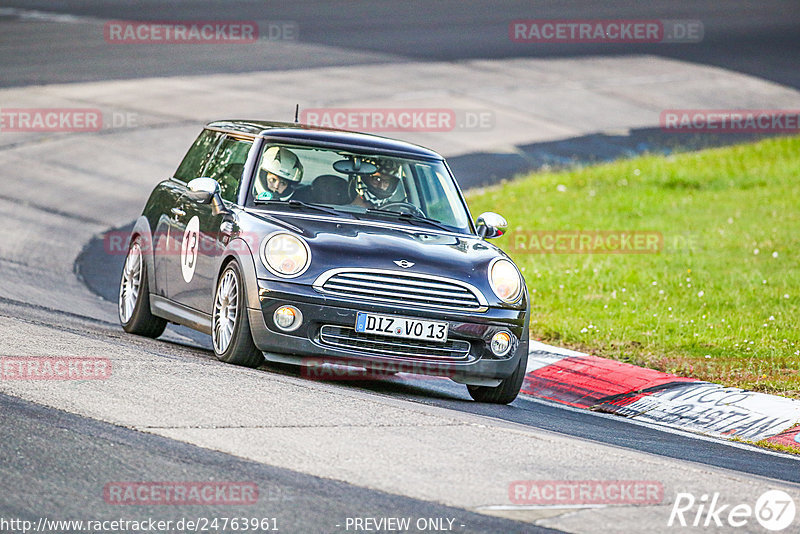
404,207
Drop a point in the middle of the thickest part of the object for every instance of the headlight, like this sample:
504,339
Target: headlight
505,280
285,254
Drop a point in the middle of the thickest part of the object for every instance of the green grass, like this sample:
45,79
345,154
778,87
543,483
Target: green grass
720,300
769,445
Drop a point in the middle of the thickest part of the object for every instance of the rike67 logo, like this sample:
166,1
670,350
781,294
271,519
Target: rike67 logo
774,510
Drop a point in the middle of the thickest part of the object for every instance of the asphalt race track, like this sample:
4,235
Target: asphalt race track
751,36
54,438
319,452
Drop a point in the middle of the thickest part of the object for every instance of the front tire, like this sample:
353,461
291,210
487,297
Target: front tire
134,296
508,389
230,325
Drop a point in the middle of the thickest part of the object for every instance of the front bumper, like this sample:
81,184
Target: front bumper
327,334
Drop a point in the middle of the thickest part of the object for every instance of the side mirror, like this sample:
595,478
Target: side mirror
202,190
489,225
206,191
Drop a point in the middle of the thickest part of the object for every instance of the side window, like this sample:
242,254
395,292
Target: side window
196,158
227,165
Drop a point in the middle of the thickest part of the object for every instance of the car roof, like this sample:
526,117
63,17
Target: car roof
304,134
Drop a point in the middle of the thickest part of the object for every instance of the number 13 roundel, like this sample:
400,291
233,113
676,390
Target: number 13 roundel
189,247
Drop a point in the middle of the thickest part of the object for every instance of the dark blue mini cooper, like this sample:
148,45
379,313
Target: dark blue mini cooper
303,244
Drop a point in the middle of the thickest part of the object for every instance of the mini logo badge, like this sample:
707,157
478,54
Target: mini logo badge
405,264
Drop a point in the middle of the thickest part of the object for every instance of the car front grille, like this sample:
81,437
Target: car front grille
346,338
400,288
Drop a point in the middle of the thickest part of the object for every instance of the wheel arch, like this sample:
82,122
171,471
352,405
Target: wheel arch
239,250
141,228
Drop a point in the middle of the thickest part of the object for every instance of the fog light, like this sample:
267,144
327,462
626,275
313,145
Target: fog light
287,318
501,343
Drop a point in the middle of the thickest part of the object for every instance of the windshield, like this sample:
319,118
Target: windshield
372,186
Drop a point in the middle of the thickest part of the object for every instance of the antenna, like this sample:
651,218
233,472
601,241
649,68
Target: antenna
296,112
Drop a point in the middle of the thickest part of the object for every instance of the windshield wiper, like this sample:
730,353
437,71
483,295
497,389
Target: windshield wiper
410,217
300,204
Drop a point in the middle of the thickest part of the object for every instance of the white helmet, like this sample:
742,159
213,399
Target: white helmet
283,163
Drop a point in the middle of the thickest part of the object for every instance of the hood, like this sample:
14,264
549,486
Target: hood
378,244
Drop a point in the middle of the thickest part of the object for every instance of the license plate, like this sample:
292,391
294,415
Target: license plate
385,325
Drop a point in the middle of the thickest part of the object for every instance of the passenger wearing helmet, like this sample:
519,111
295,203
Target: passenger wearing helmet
375,190
279,176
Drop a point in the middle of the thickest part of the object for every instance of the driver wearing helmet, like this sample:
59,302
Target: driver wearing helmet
279,175
375,190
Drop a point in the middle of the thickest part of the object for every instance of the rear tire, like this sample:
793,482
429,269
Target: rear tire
134,296
230,325
508,389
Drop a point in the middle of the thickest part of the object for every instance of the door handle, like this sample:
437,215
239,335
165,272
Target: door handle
177,212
